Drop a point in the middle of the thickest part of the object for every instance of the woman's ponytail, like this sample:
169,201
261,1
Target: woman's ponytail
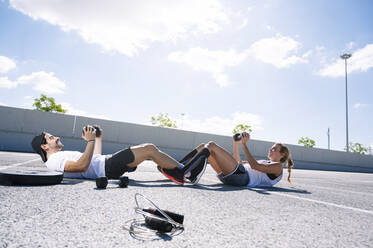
287,158
290,165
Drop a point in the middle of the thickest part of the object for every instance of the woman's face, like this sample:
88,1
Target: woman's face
274,153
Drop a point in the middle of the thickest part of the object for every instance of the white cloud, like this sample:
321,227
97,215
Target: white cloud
218,125
307,54
43,82
243,24
6,83
274,51
269,27
320,48
361,61
73,111
351,45
65,105
277,51
127,26
6,64
214,62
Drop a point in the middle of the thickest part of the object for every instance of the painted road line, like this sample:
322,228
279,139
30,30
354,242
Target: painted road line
335,189
307,199
323,202
312,200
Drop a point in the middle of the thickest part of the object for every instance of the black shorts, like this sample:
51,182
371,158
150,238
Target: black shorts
238,177
116,164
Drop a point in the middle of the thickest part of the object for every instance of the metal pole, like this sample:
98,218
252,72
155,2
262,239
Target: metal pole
182,120
345,57
74,124
328,138
347,146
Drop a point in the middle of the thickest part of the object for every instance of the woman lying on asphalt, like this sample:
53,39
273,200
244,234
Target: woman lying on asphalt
92,164
251,173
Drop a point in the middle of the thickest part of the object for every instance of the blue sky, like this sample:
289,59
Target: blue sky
209,64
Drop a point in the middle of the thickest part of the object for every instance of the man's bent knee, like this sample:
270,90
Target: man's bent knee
150,148
211,145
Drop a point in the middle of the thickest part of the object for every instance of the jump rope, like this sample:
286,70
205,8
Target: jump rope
155,222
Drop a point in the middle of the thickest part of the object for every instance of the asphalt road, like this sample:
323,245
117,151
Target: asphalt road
319,209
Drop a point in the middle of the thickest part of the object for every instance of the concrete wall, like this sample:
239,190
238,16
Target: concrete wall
18,126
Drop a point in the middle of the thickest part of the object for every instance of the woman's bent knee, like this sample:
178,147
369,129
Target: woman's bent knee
200,146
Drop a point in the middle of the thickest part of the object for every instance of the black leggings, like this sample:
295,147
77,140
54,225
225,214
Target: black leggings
116,164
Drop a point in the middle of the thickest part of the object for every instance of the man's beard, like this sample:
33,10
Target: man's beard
59,144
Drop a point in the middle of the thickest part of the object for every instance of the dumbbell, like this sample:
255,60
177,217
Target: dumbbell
123,182
237,137
98,130
96,127
101,182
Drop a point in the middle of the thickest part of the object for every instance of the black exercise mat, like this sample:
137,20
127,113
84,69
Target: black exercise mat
29,177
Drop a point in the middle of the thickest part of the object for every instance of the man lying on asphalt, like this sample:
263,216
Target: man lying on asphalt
92,164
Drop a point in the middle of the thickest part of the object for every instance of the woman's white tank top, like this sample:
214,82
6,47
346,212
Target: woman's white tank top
260,179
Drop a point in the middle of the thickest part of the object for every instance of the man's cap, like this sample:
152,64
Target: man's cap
36,145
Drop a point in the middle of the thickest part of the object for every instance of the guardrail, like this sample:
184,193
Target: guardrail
18,126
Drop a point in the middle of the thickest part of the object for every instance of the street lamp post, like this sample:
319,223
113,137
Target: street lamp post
346,56
182,120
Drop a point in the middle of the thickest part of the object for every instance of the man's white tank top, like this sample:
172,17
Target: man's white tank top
260,179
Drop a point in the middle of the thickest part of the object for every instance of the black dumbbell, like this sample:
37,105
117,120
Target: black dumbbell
123,182
96,127
101,182
237,137
98,130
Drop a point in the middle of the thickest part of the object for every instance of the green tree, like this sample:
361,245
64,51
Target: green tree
242,128
357,148
163,120
47,104
307,142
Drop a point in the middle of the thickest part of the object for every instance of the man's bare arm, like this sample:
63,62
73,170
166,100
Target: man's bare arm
98,146
98,143
83,162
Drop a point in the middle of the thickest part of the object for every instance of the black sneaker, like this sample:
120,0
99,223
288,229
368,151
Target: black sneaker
188,157
196,173
175,175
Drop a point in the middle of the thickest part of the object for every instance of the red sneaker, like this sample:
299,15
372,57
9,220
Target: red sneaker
175,175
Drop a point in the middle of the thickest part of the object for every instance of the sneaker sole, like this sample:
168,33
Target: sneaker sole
172,178
200,174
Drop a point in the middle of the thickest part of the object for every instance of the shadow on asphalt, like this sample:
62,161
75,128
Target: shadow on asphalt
267,191
167,184
214,187
67,181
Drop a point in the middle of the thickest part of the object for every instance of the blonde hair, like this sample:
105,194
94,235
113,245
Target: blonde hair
286,158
